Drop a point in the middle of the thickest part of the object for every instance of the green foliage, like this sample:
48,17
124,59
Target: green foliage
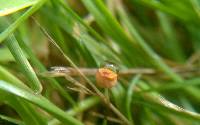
12,6
157,36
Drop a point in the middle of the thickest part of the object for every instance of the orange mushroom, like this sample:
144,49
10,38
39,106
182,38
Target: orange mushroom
106,78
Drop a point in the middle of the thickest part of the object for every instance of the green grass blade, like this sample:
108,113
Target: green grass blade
129,96
34,60
154,58
24,109
24,64
11,6
112,28
40,101
174,49
20,20
82,106
6,56
11,120
173,86
159,103
5,75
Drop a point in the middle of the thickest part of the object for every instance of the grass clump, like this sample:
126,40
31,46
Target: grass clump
154,44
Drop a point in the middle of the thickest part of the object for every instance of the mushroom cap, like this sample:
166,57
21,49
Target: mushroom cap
106,78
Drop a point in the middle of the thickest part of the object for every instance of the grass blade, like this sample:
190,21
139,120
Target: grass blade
20,20
40,101
129,96
24,64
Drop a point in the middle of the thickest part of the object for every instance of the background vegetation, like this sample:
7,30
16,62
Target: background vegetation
160,36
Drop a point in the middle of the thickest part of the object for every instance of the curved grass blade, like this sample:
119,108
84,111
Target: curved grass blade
112,28
11,120
24,109
34,60
154,58
154,100
8,31
151,103
7,76
173,48
82,106
173,86
24,64
11,6
129,96
40,101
